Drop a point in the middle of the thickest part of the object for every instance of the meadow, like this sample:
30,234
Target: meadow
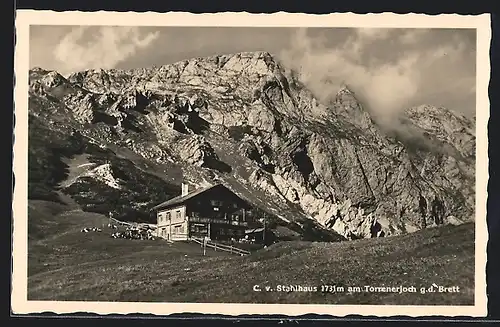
66,264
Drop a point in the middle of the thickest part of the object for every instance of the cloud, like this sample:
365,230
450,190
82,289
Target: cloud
325,69
88,47
362,38
412,36
388,87
390,69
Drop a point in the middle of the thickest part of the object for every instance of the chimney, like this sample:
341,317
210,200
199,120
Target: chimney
184,189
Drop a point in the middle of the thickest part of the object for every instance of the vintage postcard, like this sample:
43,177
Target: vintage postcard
237,163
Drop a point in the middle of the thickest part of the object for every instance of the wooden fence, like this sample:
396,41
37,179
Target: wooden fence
118,222
209,244
124,223
220,247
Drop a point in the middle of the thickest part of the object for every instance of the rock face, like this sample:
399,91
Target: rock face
246,120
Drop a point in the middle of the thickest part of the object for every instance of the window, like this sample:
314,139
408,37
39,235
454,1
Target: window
178,214
216,203
167,216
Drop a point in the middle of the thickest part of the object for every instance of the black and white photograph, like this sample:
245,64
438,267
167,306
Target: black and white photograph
245,163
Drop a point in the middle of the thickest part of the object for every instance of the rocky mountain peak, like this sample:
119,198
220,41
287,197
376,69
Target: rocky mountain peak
243,120
445,126
37,70
439,115
49,79
348,105
345,90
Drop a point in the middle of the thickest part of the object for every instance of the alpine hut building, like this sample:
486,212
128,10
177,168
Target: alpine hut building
213,212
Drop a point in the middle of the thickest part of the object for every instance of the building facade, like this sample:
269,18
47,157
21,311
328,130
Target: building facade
214,212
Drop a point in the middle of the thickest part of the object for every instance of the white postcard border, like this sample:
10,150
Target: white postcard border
25,18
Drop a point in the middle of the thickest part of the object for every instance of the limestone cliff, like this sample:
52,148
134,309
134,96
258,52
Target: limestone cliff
245,120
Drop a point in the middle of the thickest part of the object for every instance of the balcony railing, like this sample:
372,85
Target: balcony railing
217,221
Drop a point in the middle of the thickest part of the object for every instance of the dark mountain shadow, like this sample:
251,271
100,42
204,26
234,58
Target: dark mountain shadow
218,165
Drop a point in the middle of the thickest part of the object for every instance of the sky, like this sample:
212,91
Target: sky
390,69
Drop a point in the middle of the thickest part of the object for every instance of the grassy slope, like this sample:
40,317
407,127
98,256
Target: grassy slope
56,158
47,150
65,264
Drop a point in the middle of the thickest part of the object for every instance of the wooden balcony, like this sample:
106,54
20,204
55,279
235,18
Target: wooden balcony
217,221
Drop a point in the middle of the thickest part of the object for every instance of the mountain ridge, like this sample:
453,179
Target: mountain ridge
247,120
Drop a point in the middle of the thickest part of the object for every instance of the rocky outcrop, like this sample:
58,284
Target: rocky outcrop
104,173
331,163
443,125
198,152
